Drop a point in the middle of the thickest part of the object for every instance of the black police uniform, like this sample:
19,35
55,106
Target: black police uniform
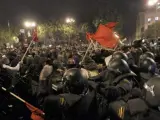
110,74
78,104
135,109
146,55
146,108
119,81
147,70
71,107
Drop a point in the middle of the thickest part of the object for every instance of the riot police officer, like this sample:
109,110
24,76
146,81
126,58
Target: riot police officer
138,52
102,76
120,55
90,65
118,81
146,108
147,70
44,83
146,55
76,104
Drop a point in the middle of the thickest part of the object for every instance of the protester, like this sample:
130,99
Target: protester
56,80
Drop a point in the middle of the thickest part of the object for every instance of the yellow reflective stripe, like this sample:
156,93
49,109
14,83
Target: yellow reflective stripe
121,111
125,80
62,101
93,73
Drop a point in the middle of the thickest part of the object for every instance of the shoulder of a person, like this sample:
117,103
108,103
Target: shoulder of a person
48,66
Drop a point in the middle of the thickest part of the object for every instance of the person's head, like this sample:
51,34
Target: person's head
125,49
70,55
146,55
148,65
89,64
119,55
76,81
151,92
49,62
119,66
144,48
132,49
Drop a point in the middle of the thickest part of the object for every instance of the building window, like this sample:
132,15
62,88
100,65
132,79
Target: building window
149,19
156,18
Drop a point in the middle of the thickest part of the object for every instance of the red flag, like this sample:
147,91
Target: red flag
35,36
111,25
36,113
89,36
106,37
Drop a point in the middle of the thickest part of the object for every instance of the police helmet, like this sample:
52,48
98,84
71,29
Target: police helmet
120,55
148,65
147,55
119,66
76,81
144,48
137,43
152,94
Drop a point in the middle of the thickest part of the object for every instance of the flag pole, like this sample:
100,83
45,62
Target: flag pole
89,47
95,47
34,36
27,50
4,89
14,95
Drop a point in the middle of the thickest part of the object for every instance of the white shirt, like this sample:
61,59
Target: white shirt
16,68
107,59
46,71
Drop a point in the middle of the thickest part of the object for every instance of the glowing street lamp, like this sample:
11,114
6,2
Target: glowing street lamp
33,24
70,20
29,24
152,2
67,20
155,3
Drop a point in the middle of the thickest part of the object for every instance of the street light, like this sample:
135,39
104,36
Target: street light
29,24
33,24
70,20
152,2
155,3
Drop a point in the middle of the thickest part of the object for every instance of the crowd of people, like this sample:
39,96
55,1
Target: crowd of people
123,84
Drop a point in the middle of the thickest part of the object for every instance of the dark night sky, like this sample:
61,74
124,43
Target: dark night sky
83,10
